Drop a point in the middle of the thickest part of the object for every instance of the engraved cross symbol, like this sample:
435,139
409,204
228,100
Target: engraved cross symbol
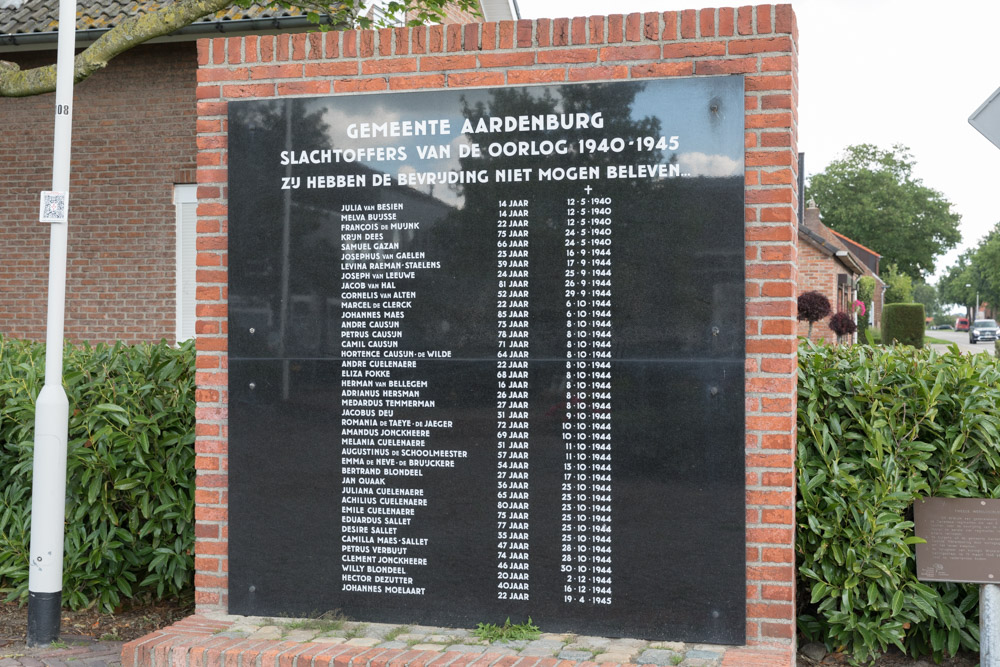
588,189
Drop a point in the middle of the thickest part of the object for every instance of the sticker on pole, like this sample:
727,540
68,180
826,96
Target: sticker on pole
54,207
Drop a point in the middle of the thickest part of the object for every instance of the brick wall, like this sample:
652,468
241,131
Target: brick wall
818,272
132,140
757,41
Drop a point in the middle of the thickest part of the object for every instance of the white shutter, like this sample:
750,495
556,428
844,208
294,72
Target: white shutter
186,205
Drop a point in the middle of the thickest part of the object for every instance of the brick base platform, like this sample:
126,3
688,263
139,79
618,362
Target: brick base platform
196,640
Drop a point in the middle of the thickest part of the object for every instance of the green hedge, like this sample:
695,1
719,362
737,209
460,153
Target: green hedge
903,323
878,428
130,470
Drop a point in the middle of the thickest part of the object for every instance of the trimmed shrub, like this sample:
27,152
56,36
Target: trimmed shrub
130,470
878,428
842,324
812,306
903,323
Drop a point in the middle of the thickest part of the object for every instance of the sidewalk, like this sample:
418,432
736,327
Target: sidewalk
243,640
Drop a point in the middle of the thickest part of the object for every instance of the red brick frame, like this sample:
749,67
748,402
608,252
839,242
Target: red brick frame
757,41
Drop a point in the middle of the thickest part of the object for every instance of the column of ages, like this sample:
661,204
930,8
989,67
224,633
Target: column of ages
387,420
586,565
513,517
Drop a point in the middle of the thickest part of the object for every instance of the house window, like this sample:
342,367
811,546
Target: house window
185,205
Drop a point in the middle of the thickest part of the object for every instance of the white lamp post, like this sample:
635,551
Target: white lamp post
48,482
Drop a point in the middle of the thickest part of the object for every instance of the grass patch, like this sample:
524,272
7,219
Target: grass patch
358,630
395,632
508,631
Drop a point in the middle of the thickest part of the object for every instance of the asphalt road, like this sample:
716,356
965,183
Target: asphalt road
962,339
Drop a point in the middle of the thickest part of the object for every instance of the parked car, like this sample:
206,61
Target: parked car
962,324
942,327
983,330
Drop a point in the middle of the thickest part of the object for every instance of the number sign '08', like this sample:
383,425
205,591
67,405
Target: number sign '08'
487,356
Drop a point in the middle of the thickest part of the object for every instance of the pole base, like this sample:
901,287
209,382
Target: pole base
43,618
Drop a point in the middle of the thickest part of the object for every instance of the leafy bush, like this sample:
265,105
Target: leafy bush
130,469
878,428
903,323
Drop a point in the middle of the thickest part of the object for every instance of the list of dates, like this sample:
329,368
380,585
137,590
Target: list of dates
486,358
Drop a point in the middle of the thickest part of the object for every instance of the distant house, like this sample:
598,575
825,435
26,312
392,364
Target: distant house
831,263
132,257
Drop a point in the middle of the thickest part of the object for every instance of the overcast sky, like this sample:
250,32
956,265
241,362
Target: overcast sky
886,72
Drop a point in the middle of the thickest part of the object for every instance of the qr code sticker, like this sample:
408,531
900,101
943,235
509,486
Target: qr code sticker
54,206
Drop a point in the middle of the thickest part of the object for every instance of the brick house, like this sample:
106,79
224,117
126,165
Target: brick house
831,263
132,254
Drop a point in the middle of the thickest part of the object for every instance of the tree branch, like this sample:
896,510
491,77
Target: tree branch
131,32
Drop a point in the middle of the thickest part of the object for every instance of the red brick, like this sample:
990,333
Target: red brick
249,90
444,63
298,46
777,214
776,64
772,345
419,40
598,73
234,74
567,56
781,176
662,69
633,27
706,22
777,554
779,440
359,85
335,68
349,44
402,40
385,42
769,460
462,79
314,42
596,29
777,630
388,65
414,82
615,29
651,25
741,47
777,289
453,37
780,516
470,40
694,49
767,82
282,47
561,32
735,66
516,59
776,102
526,76
763,19
769,120
507,35
366,46
543,32
778,593
772,385
304,88
670,26
524,33
784,20
689,24
639,52
778,479
727,22
744,21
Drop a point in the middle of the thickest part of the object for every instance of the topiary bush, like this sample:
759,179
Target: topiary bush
842,324
878,428
903,323
130,469
812,307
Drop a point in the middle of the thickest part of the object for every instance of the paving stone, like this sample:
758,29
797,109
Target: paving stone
328,639
698,662
586,641
267,632
561,637
428,647
703,654
633,643
613,657
711,648
579,656
393,644
467,648
363,641
516,644
411,637
299,635
677,647
440,639
655,656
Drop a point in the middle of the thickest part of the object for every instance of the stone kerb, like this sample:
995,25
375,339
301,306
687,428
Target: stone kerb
759,42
